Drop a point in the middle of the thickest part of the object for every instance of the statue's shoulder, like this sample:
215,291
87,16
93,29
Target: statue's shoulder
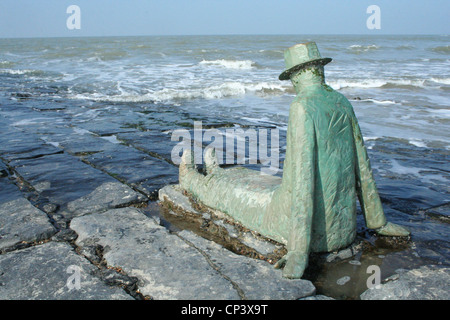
343,102
303,105
310,101
342,99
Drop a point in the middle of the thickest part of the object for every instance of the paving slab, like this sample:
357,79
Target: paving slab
74,186
136,168
152,142
257,279
424,283
184,266
77,141
166,266
20,221
17,144
105,128
49,272
84,143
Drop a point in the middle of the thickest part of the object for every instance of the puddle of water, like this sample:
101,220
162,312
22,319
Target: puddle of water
347,279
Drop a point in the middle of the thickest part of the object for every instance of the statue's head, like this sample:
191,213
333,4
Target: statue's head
301,56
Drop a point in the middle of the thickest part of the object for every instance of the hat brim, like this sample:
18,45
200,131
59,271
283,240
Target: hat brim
286,75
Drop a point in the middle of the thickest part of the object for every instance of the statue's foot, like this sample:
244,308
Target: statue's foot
293,264
393,230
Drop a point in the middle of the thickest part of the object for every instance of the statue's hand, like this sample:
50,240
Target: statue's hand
393,230
294,264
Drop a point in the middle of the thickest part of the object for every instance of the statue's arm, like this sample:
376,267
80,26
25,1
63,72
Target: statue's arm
368,194
301,177
366,188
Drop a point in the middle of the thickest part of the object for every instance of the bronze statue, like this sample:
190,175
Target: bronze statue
312,208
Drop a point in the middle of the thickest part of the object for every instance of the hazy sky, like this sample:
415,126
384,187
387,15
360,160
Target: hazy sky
47,18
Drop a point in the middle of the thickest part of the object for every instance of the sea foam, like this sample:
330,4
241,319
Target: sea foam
227,89
357,48
230,64
20,72
376,83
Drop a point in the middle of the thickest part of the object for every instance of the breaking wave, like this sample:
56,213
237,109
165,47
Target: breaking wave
340,84
6,64
441,80
230,64
357,48
381,102
405,47
228,89
21,72
441,49
377,83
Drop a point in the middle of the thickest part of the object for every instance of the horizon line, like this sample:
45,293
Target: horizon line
230,34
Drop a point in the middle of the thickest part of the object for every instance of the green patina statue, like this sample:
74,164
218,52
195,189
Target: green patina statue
312,208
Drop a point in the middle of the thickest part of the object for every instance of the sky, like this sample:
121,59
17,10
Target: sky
48,18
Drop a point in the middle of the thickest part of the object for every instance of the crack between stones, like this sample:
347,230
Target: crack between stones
147,197
24,245
216,268
119,277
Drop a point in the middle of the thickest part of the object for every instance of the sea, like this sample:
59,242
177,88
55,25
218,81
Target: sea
399,86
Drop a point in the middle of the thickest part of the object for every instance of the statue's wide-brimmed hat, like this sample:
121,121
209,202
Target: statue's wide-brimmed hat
301,56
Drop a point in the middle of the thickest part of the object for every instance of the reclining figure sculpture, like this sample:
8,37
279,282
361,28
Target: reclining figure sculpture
312,208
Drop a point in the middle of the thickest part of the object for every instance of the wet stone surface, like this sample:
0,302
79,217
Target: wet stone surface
74,186
149,141
105,128
79,143
21,145
3,170
42,273
20,222
78,180
425,283
138,169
